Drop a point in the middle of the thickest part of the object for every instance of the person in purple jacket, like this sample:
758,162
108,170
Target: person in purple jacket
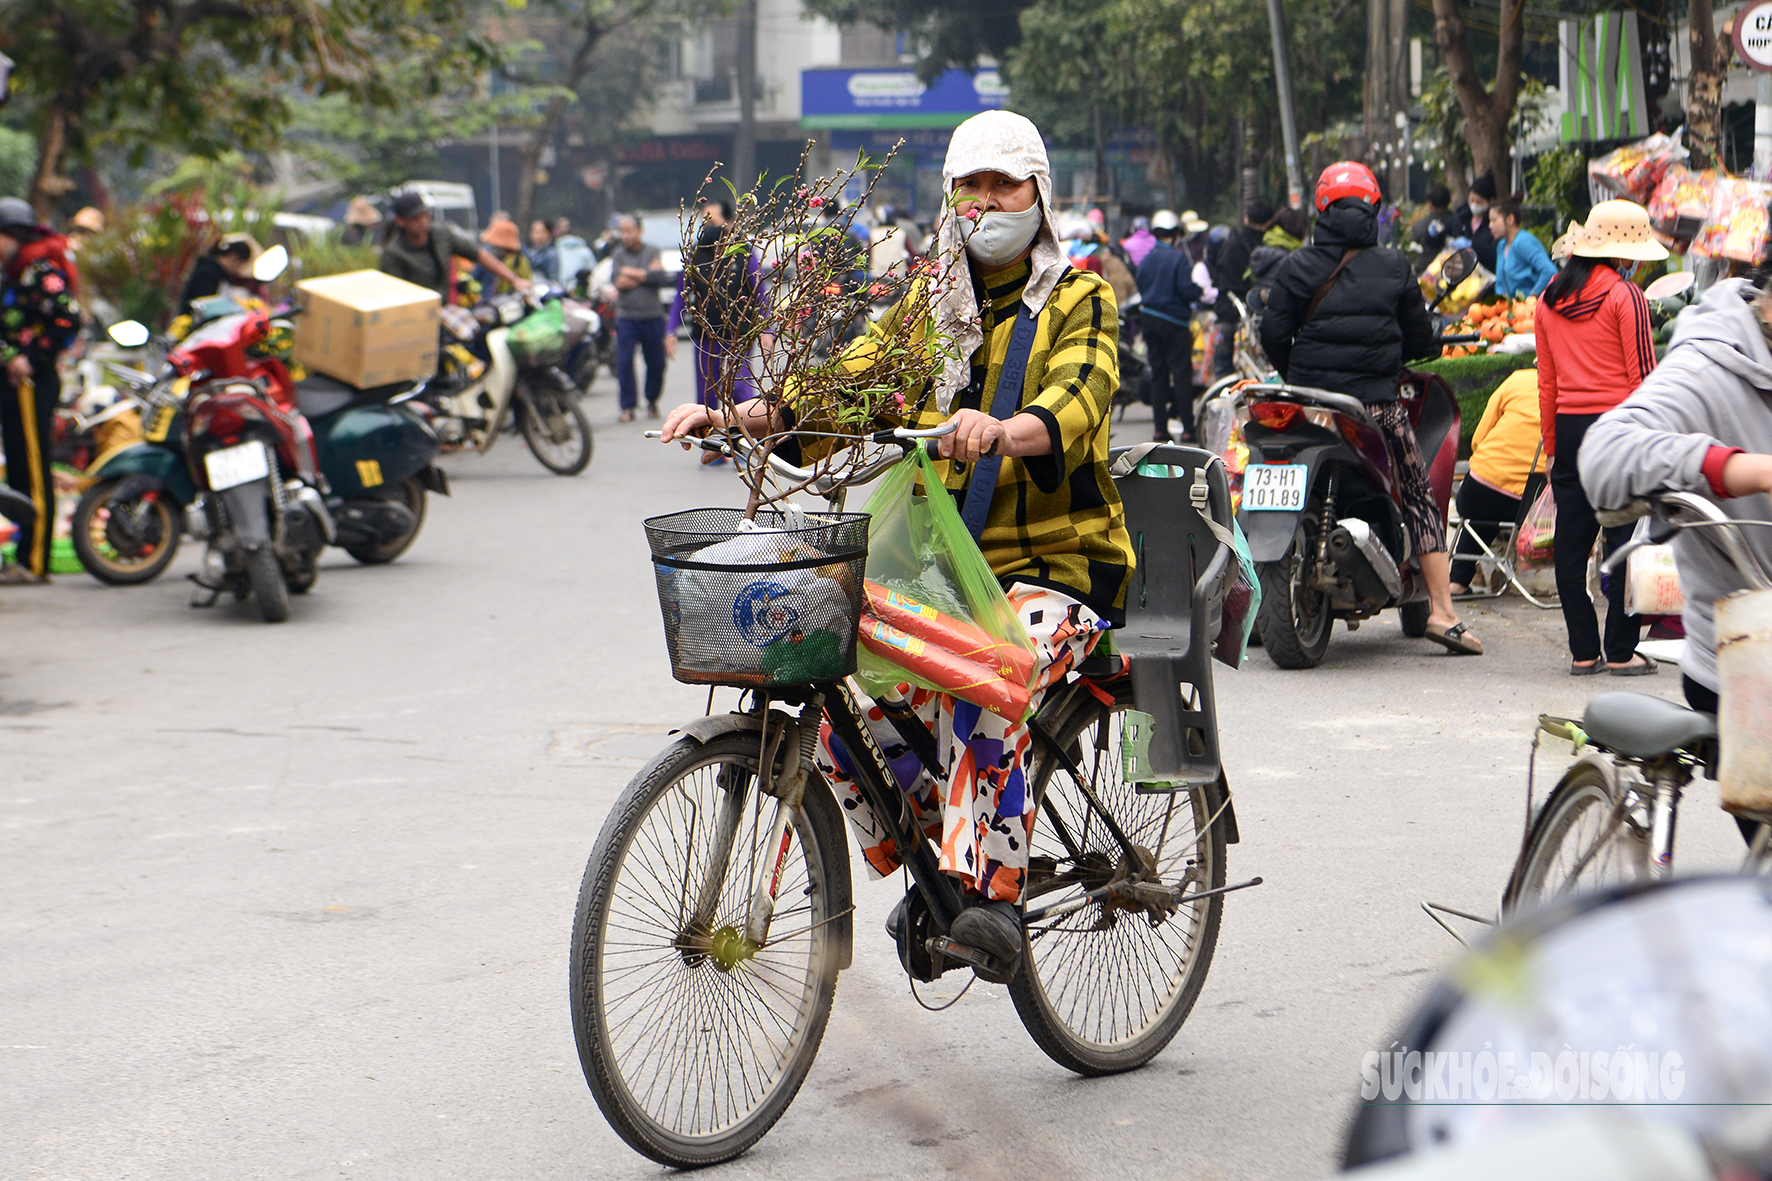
731,296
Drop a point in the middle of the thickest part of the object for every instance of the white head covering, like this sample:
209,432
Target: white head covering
995,141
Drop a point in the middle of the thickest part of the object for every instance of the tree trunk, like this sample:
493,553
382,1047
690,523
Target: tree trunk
1103,183
744,144
1487,113
48,185
529,161
1704,90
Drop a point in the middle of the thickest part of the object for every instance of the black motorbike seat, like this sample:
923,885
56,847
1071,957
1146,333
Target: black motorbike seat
1642,727
318,395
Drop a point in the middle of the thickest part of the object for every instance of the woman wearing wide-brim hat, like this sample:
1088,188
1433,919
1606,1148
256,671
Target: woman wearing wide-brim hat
1595,346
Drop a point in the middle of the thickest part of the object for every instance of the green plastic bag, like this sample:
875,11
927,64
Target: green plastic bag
936,616
539,339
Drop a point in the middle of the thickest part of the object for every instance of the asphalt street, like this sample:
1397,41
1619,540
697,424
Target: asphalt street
294,901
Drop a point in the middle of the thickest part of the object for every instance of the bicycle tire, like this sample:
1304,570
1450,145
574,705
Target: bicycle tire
1044,998
1549,847
615,1031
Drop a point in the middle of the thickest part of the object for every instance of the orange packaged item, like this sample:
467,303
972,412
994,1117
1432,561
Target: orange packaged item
953,674
1012,661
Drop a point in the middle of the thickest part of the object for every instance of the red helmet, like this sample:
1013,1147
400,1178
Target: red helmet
1347,178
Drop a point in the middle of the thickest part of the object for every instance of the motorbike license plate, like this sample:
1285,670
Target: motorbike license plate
1274,487
236,465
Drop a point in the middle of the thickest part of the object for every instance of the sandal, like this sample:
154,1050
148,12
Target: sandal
1587,670
1453,640
1646,669
627,416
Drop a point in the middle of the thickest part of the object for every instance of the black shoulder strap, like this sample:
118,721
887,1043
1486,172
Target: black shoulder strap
1323,291
1005,402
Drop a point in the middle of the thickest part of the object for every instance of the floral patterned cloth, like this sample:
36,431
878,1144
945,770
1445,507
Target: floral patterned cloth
983,816
39,313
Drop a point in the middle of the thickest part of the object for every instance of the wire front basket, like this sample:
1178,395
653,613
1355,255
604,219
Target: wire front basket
769,603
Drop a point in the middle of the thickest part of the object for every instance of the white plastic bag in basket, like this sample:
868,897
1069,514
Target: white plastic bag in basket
728,621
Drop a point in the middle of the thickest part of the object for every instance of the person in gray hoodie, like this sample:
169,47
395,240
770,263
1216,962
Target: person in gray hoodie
1701,422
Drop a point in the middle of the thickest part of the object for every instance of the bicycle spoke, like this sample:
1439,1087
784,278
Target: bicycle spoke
699,1032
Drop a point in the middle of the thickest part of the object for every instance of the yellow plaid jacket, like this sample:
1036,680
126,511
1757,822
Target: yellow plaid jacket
1056,520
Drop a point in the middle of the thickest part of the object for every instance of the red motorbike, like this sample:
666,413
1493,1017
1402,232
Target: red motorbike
253,462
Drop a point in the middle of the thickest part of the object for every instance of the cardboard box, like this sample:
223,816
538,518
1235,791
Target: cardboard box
365,328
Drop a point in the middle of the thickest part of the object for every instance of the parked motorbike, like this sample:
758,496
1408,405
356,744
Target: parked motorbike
498,385
597,348
1322,509
367,459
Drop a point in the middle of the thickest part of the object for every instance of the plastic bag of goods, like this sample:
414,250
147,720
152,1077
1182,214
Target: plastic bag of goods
1634,170
1651,580
539,339
1736,227
1680,205
936,615
768,606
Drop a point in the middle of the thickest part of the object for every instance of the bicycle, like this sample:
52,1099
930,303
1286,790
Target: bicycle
1612,816
715,912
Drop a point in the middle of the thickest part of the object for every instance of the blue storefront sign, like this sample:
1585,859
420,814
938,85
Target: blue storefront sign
892,98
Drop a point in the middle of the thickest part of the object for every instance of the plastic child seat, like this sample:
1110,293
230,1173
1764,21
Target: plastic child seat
1172,609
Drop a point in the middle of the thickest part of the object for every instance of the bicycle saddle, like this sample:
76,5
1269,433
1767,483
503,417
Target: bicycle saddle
1642,727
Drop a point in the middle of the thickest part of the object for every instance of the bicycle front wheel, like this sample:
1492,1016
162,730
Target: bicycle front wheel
1104,988
693,1040
1589,835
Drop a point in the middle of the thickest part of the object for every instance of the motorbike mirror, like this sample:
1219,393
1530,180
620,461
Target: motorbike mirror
270,264
1458,267
131,334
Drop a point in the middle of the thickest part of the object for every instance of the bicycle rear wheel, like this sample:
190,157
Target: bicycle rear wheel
693,1041
1105,988
1588,836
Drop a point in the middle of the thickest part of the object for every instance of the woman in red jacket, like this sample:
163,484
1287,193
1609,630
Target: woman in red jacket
1595,347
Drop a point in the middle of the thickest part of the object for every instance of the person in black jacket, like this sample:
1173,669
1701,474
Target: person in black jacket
1472,220
1230,274
1165,317
1370,320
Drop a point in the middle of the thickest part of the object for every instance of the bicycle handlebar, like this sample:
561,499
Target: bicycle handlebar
742,448
1665,510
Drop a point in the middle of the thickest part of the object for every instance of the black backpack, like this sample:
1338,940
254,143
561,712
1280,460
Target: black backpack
717,289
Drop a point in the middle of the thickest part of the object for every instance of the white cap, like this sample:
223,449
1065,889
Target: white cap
1165,219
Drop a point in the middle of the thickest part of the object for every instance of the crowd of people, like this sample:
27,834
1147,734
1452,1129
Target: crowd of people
1593,338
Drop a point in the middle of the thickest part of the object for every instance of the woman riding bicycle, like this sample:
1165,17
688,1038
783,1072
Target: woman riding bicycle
1054,533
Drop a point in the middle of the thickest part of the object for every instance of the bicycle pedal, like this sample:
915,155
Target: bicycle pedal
942,945
986,966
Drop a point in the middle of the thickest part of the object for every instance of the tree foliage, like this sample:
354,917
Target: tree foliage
208,76
1196,73
948,33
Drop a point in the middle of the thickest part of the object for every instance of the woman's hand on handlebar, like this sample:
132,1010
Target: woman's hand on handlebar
977,435
691,419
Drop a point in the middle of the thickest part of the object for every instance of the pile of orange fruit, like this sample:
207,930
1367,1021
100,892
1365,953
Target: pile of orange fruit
1491,321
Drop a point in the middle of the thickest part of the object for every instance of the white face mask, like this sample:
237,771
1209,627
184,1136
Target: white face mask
1627,269
997,237
1479,208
